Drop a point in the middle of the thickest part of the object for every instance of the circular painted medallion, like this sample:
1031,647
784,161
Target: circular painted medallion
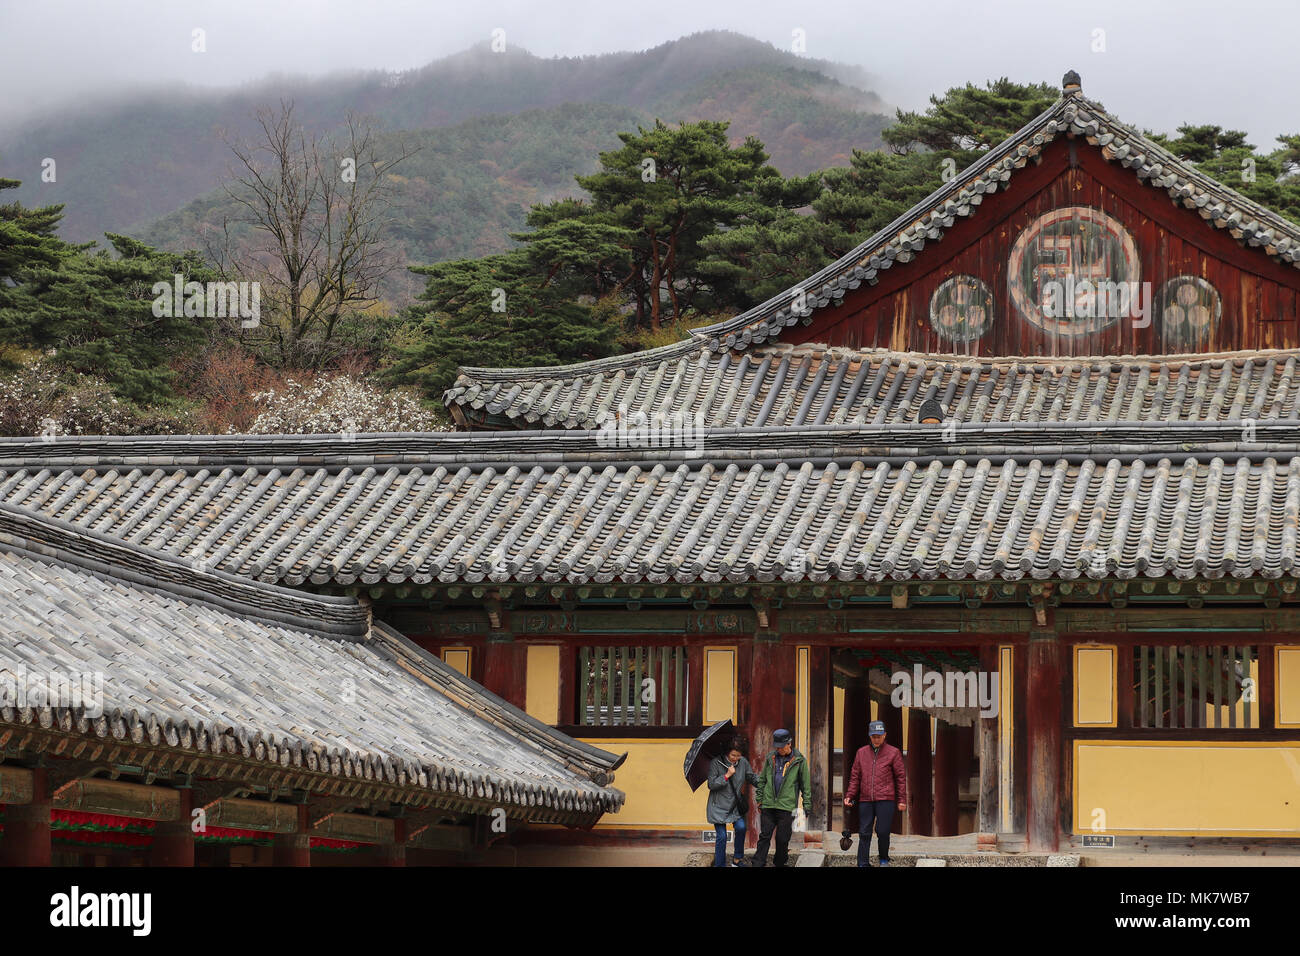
961,308
1073,271
1189,308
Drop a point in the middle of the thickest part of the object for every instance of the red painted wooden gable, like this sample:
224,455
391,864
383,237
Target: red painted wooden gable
1239,298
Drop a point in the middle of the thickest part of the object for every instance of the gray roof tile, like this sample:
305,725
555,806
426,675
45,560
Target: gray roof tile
209,657
888,502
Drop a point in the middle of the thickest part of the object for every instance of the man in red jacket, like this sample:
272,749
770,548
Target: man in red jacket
878,782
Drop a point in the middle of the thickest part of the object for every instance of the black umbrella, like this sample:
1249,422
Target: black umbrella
703,749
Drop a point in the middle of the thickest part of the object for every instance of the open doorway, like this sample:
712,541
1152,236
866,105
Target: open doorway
932,702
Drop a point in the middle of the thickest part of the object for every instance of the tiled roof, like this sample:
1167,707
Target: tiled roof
199,666
814,385
1016,501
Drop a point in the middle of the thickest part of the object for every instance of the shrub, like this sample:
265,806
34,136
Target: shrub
40,399
343,404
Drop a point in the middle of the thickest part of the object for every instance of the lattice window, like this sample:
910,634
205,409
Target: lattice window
1195,687
632,686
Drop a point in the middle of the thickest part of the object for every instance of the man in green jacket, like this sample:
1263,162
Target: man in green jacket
785,775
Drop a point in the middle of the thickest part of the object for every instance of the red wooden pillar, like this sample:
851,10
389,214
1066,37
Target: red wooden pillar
294,849
857,713
173,840
1043,714
988,814
919,772
892,717
394,854
26,840
771,707
946,761
821,736
505,664
965,753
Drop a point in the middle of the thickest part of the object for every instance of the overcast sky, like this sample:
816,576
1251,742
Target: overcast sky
1163,63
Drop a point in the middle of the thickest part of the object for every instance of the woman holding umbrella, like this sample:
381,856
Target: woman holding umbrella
729,775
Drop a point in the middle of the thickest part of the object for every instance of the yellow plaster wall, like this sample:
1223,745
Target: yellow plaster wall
1221,788
839,718
1286,691
1094,686
719,684
458,658
802,699
658,796
542,690
1006,732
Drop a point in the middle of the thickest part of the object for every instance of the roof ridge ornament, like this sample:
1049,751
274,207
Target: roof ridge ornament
1071,84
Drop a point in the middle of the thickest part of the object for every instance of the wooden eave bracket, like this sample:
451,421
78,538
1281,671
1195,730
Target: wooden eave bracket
492,606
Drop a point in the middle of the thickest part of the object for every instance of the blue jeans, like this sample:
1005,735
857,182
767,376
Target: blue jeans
720,847
882,813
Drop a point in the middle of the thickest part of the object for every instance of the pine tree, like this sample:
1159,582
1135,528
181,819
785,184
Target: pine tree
27,240
496,312
93,310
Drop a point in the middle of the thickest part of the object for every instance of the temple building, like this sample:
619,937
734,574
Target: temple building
1033,447
155,711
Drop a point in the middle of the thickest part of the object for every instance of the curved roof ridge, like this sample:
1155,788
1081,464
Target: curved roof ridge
912,215
956,357
50,539
593,760
478,451
626,360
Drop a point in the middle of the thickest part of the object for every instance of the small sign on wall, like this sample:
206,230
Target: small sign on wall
1095,840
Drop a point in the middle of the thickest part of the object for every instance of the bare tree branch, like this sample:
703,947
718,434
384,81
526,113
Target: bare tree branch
315,207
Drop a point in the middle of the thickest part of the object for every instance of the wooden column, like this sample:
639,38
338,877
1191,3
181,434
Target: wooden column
986,741
1019,772
26,840
965,753
946,761
771,694
893,720
505,669
1043,713
173,840
820,738
294,849
394,854
857,711
919,772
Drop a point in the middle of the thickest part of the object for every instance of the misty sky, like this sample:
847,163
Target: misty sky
1164,62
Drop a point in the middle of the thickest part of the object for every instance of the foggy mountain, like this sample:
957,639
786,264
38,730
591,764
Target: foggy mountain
498,130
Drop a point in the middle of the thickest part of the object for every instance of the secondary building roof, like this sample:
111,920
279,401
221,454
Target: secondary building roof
814,385
212,663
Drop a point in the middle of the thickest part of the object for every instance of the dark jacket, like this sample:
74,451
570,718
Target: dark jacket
728,801
795,780
878,776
